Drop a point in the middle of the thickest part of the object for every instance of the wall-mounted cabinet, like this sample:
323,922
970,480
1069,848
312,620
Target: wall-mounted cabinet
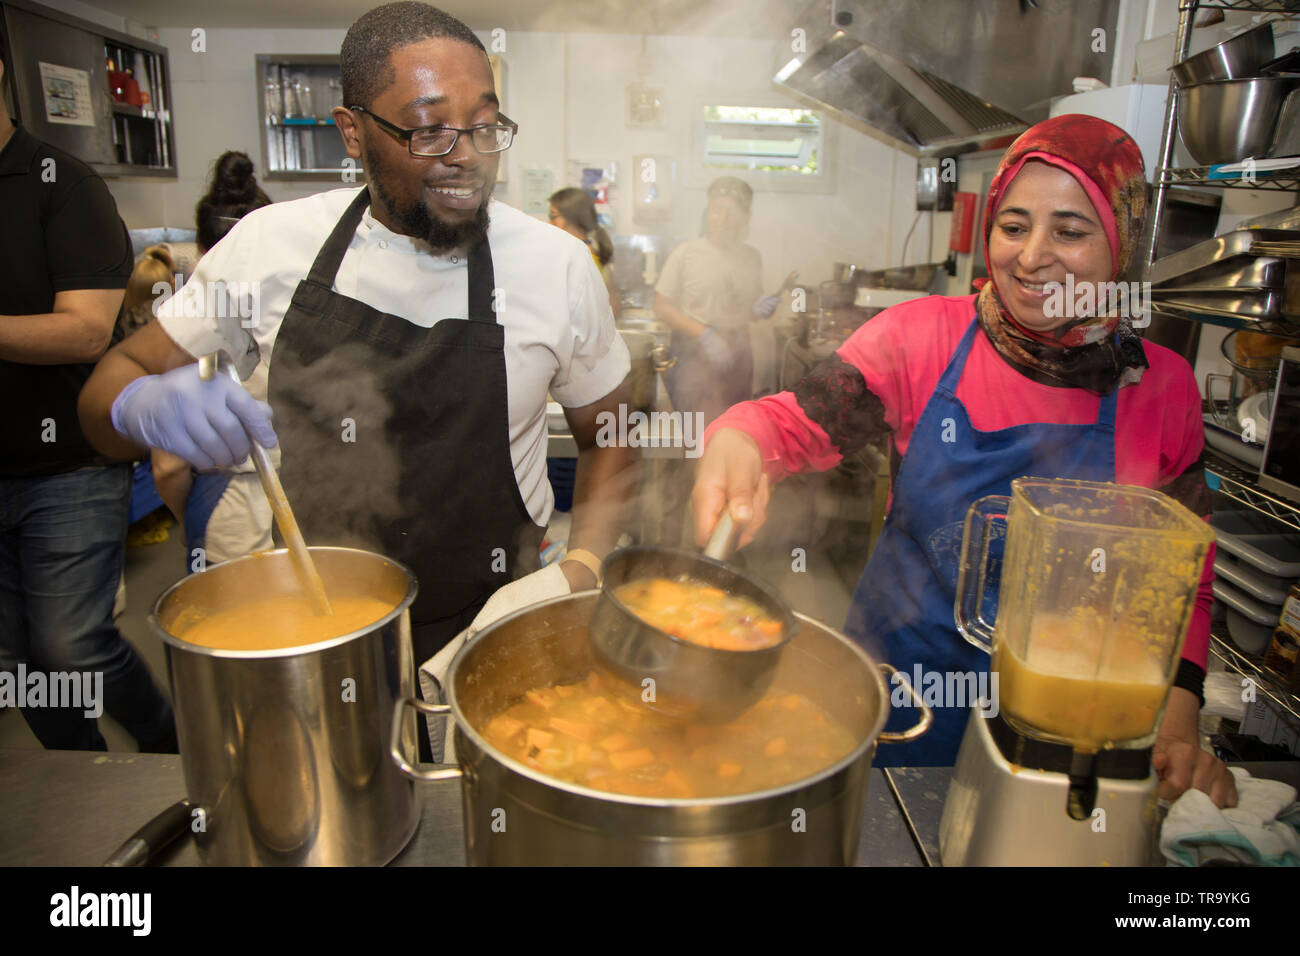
103,96
299,138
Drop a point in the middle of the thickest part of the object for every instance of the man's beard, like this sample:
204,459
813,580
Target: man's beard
417,221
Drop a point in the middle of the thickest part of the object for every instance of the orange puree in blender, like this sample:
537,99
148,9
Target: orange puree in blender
285,620
1070,690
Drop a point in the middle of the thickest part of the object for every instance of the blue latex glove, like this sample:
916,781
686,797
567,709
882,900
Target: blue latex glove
716,350
202,422
765,306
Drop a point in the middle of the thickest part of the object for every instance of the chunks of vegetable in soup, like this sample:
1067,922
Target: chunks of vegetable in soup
701,613
590,733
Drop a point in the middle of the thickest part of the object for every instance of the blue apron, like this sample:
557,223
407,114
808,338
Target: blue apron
904,599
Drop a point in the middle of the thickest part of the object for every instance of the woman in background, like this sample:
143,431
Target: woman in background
574,211
155,265
232,195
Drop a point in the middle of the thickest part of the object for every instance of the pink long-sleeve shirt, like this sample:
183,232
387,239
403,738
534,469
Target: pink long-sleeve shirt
901,354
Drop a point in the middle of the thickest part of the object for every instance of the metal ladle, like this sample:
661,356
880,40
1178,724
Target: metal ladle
303,566
676,676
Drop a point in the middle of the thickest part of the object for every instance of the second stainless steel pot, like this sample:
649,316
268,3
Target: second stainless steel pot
284,750
517,815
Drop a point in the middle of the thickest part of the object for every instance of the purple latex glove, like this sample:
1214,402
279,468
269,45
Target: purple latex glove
766,306
202,422
716,350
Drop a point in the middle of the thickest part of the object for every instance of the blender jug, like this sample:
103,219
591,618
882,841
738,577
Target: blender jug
1096,588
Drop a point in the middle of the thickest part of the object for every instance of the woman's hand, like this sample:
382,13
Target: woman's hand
1178,759
731,475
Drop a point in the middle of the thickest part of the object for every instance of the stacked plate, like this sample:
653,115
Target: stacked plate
1254,565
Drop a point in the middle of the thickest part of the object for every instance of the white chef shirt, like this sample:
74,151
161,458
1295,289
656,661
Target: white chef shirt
559,330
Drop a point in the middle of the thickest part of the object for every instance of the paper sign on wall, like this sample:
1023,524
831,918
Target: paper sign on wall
67,95
538,186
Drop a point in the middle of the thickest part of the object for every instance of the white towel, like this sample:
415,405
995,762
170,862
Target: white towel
1263,829
541,585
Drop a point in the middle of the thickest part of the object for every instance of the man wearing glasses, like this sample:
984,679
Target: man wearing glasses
411,331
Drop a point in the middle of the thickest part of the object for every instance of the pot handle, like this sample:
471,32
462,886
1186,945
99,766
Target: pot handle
918,729
441,771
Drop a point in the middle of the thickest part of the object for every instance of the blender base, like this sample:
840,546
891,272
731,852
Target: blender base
997,814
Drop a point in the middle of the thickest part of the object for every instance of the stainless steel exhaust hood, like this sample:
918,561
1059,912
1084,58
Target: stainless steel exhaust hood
933,76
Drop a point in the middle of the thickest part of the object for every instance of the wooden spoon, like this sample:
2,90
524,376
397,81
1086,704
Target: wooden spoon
303,566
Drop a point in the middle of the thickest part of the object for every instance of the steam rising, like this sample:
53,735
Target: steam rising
350,488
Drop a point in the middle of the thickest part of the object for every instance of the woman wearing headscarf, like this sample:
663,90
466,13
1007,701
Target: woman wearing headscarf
573,210
978,390
710,291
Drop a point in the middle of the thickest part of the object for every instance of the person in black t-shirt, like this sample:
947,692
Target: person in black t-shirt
65,258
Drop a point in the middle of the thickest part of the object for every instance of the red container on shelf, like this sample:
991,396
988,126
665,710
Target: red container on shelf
123,88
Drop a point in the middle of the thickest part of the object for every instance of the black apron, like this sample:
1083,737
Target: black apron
396,438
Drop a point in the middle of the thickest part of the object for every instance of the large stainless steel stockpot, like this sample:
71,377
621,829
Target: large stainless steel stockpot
285,750
517,815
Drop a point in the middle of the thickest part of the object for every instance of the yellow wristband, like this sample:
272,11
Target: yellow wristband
587,559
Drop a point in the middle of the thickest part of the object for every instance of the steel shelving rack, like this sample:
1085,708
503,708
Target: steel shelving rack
1232,481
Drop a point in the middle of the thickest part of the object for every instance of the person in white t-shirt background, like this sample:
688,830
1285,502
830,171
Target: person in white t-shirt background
400,429
710,291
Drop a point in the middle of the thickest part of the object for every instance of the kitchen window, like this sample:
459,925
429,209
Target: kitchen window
775,148
782,141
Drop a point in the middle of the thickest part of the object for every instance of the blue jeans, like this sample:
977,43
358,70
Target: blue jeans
61,546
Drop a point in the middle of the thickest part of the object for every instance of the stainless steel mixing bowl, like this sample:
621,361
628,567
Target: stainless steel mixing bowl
1241,56
1226,121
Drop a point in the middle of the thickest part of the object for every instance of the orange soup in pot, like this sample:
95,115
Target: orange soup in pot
590,733
279,621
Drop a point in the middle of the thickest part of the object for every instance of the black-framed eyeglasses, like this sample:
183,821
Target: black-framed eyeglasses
441,140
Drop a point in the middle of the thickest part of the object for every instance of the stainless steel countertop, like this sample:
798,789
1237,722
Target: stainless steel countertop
74,808
921,791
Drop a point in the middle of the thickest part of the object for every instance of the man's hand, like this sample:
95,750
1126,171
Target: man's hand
730,475
1178,759
201,422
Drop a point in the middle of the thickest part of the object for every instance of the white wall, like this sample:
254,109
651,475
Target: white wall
863,220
